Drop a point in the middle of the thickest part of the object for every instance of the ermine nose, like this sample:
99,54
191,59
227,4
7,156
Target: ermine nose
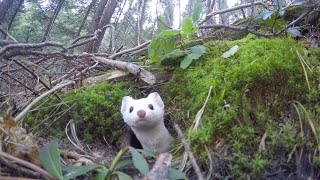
141,113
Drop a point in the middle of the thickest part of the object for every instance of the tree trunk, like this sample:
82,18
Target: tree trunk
85,18
222,4
95,23
15,14
49,26
210,7
105,19
4,6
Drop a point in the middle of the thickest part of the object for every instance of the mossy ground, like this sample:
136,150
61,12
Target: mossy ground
261,119
265,89
95,111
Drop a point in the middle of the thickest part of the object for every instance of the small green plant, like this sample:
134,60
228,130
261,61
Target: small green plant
50,159
288,136
170,42
95,111
258,164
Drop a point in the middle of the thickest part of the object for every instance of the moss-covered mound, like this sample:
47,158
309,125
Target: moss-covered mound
95,110
260,100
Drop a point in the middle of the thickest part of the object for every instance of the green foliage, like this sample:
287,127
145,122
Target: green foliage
139,162
75,171
250,92
165,42
272,19
50,159
258,164
95,110
288,136
28,26
231,52
196,53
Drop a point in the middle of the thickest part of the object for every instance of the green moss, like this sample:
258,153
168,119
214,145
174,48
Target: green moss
251,95
95,110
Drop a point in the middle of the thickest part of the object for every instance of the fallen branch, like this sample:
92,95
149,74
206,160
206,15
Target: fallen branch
161,168
143,74
188,150
28,46
208,16
129,50
237,28
27,164
27,109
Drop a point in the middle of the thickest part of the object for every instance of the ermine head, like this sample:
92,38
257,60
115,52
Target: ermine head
145,112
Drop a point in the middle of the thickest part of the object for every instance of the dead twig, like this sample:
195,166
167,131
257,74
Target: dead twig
27,109
208,16
129,50
161,168
136,70
27,164
188,150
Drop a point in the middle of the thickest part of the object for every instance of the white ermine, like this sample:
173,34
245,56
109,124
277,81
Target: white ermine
145,117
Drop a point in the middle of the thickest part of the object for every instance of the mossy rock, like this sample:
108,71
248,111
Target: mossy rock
252,90
95,111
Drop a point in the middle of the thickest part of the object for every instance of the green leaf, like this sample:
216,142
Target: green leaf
196,53
174,174
76,171
147,152
264,15
139,162
222,94
231,52
186,62
123,163
187,26
294,31
197,11
122,176
50,159
169,45
102,174
171,32
161,24
198,50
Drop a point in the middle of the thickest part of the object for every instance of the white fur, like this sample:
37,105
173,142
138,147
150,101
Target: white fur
150,130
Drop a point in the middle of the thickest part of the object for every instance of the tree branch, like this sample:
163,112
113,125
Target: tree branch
27,109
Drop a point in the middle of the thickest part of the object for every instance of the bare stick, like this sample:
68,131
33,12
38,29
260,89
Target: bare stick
188,150
29,46
161,167
27,109
7,34
27,164
208,16
145,75
129,50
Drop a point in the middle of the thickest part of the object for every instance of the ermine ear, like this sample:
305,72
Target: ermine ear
125,103
155,97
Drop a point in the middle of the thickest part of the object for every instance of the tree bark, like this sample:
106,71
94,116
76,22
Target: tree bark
4,6
95,23
85,17
49,27
105,19
15,14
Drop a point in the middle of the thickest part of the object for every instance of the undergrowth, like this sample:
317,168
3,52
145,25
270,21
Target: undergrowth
95,111
254,93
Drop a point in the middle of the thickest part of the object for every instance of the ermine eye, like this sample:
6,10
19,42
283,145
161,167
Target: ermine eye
131,109
150,106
